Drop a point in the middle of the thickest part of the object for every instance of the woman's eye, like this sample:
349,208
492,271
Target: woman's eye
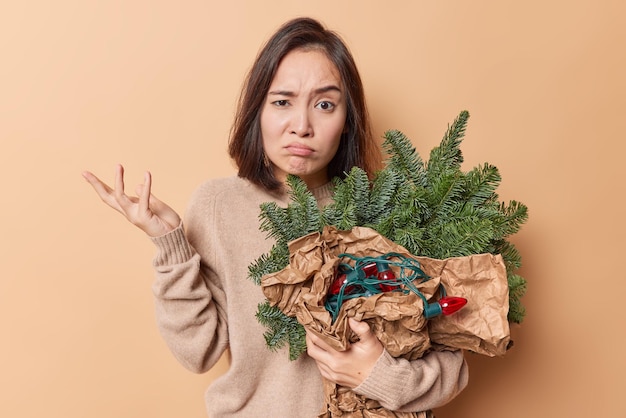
281,103
325,105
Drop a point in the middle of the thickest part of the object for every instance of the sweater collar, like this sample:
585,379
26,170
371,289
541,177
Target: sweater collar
324,193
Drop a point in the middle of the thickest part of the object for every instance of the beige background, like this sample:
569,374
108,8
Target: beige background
152,84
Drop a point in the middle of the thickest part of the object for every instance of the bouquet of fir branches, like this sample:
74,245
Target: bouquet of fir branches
438,231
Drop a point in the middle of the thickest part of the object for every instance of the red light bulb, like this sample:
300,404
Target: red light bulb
385,273
370,270
447,305
335,286
337,283
451,304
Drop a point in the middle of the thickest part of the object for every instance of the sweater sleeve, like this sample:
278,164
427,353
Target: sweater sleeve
188,303
418,385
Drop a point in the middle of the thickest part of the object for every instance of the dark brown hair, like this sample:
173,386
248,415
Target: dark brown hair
357,146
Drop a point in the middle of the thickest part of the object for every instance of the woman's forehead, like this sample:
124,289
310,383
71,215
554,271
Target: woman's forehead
307,66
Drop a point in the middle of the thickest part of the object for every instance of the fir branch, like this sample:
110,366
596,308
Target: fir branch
459,235
277,259
447,157
349,200
517,289
408,210
510,255
281,330
410,238
359,185
403,158
303,213
481,184
384,187
444,192
514,215
346,218
274,221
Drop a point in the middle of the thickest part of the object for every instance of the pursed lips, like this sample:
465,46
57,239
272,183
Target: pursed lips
299,150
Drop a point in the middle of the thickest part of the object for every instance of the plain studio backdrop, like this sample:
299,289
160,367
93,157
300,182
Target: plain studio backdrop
153,85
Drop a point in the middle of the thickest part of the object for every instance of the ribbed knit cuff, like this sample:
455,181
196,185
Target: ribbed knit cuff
172,248
384,381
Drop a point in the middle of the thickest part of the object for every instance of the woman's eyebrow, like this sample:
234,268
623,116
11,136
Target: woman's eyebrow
281,93
319,90
325,89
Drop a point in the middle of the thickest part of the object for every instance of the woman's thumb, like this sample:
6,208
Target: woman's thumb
362,329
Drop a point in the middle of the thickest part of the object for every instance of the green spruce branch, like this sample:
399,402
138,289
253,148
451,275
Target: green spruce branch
281,330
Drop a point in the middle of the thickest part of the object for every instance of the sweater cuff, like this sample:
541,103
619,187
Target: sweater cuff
384,380
172,248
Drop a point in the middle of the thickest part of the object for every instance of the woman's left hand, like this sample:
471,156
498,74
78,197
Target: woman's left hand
350,367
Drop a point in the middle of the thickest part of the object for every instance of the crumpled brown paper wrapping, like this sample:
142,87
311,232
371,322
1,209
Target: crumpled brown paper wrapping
482,325
299,290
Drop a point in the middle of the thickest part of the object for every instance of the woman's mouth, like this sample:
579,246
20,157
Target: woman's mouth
299,150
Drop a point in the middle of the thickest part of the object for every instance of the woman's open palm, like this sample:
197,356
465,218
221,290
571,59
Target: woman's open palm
145,211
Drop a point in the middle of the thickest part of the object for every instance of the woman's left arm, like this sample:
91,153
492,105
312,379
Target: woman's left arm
398,384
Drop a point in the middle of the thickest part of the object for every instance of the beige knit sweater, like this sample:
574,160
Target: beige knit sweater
205,304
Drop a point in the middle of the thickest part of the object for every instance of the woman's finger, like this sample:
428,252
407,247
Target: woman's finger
119,180
144,197
124,202
317,341
102,189
361,329
157,207
318,349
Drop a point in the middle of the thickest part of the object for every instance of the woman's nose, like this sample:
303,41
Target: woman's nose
301,123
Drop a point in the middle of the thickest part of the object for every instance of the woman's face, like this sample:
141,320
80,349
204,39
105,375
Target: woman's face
303,116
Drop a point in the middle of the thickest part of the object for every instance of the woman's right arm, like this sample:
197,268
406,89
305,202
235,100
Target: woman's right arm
189,303
188,298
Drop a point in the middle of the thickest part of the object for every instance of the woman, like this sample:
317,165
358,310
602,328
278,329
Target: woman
302,111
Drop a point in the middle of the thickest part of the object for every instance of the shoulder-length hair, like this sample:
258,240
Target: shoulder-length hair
357,146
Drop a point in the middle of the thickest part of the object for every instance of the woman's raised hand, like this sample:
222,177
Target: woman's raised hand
145,211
